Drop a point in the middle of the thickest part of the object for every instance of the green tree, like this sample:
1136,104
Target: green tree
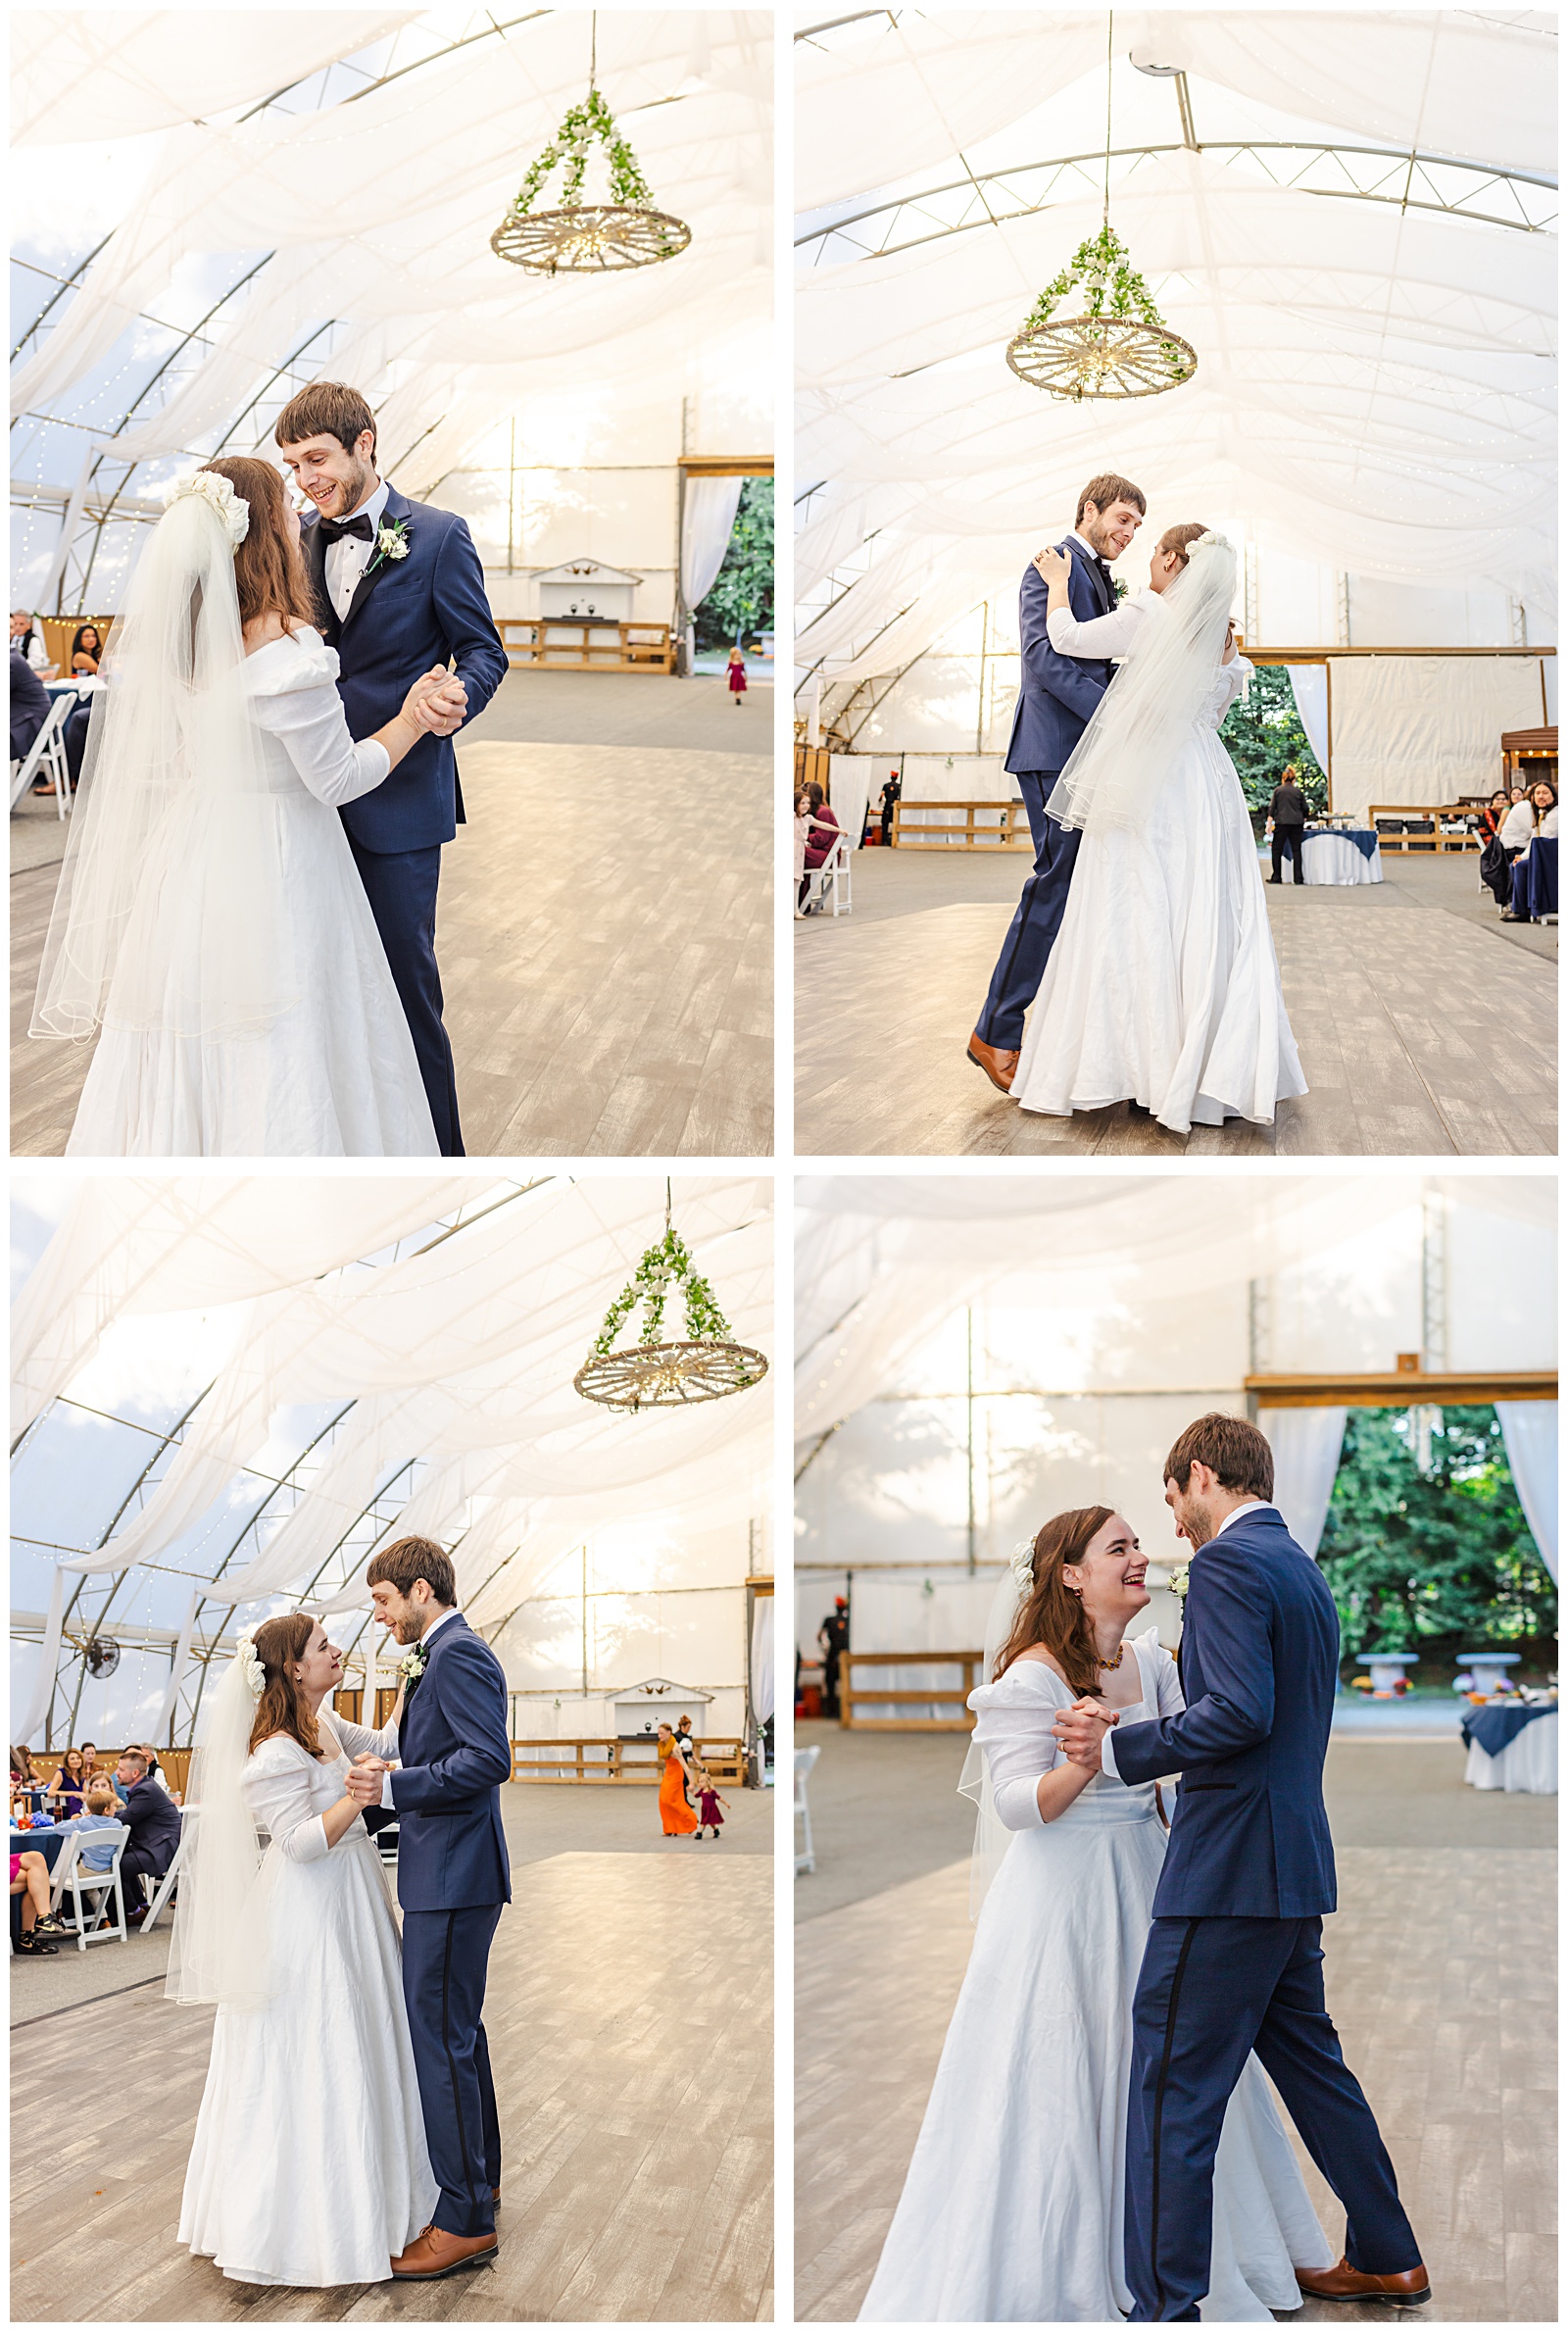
1265,734
1411,1555
741,599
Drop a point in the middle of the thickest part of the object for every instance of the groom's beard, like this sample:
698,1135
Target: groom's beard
1198,1527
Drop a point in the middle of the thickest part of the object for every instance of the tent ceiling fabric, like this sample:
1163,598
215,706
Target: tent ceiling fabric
881,1263
444,336
86,74
461,1356
1375,387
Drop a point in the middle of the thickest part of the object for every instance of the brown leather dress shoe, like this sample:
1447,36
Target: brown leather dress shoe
1410,2289
1000,1066
435,2254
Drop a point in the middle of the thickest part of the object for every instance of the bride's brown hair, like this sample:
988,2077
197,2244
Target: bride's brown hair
1053,1613
282,1708
268,571
1179,538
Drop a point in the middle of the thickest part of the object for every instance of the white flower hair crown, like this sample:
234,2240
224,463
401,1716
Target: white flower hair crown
211,487
251,1667
1207,542
1021,1564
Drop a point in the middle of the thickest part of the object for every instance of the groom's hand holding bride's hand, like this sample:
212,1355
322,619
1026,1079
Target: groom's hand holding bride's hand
1081,1729
363,1780
437,701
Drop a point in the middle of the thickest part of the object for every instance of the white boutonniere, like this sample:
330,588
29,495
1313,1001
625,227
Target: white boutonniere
391,542
1118,587
411,1665
1180,1581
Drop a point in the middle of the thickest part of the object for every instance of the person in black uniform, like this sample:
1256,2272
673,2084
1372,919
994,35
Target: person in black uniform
834,1637
1288,809
892,793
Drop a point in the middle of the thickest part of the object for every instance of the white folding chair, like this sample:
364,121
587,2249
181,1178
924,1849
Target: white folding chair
166,1885
48,754
105,1885
806,1855
831,880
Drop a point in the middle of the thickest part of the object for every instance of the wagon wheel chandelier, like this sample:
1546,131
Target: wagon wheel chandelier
651,1374
588,238
1119,345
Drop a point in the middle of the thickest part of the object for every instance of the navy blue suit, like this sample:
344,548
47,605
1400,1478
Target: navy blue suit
428,607
453,1878
153,1818
1056,698
1234,1959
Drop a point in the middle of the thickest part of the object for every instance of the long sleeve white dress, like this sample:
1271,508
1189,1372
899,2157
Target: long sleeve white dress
1163,986
1011,2211
333,1076
309,2166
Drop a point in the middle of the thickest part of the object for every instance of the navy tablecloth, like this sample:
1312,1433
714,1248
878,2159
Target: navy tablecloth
1492,1729
1365,837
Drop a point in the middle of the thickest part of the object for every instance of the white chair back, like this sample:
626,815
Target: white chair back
828,885
47,753
805,1852
106,1886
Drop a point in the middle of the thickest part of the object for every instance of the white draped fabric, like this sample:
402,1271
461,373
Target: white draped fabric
1309,685
1424,728
28,1720
1529,1764
1530,1437
162,1730
706,523
762,1659
448,337
1307,1444
495,1299
87,74
129,1246
849,791
1342,344
1333,860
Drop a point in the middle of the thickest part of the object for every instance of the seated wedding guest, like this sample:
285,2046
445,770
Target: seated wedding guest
1288,818
26,1790
1489,822
154,1821
1545,801
155,1771
86,650
26,638
30,1878
1542,811
30,707
66,1789
100,1815
823,833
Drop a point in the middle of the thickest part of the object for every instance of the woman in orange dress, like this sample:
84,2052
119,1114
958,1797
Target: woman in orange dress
674,1810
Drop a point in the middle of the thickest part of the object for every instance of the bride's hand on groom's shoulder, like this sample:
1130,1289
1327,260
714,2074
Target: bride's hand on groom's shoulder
1052,566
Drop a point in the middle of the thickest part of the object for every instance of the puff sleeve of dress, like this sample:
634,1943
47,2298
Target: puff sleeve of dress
292,688
1013,1729
278,1791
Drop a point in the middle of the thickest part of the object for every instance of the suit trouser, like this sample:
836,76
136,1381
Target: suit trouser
1032,933
139,1863
401,886
1289,839
446,1956
1208,1991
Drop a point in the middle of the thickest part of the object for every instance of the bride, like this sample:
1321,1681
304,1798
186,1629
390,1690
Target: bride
210,920
1011,2211
1162,987
309,2165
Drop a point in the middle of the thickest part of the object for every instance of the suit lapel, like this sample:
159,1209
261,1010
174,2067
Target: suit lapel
396,508
313,552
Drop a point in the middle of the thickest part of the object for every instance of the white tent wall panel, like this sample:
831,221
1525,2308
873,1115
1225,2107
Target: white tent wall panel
697,1637
1426,728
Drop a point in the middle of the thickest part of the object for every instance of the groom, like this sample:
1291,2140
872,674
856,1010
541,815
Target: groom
400,590
1235,1958
455,1750
1056,699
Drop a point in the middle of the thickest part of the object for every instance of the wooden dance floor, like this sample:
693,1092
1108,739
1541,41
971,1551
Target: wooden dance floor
1421,1029
629,2014
606,943
1441,1977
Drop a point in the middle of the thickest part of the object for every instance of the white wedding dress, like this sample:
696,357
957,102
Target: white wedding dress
1163,986
335,1075
1011,2211
309,2165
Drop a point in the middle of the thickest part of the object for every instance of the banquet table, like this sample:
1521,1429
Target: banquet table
1535,880
1342,855
1512,1749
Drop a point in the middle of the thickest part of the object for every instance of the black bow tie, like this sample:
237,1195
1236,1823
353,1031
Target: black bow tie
332,533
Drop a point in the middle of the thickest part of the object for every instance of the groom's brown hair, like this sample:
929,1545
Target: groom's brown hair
326,409
1234,1452
1103,491
410,1559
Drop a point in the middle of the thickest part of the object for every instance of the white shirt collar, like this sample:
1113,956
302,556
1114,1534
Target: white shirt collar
1088,546
1260,1506
437,1624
